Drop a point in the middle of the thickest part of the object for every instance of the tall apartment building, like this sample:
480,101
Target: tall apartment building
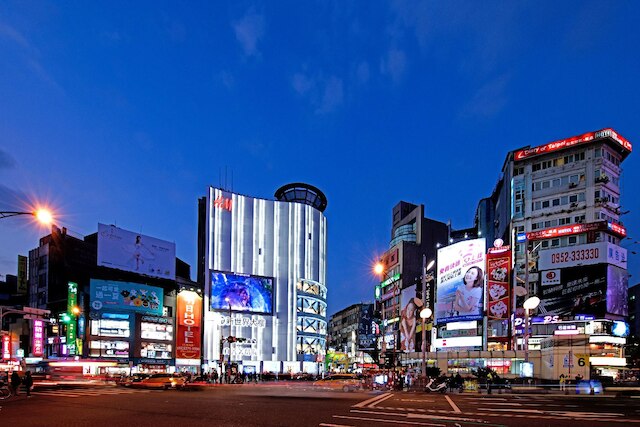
559,205
412,237
352,331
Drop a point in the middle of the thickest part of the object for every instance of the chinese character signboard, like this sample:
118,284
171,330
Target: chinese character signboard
22,275
37,346
189,318
498,287
112,295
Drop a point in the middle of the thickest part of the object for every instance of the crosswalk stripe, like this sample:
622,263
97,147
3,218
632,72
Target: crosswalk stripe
86,393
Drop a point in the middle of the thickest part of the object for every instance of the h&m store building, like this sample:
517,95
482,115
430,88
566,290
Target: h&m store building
262,264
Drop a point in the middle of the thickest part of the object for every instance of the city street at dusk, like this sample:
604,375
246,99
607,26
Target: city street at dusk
291,404
331,213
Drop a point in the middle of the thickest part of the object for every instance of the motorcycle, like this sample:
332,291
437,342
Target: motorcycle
434,386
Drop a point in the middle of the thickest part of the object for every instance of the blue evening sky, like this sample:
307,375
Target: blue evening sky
123,112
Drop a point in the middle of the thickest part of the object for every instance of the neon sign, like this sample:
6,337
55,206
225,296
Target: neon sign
6,347
38,338
577,229
575,140
223,203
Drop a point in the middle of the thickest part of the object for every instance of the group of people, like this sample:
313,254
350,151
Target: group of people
14,381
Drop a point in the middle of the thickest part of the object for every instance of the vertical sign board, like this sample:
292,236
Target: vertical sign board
72,301
498,287
37,346
22,275
189,316
6,347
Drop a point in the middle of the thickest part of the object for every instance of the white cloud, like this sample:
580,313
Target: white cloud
332,97
302,84
249,31
394,64
489,100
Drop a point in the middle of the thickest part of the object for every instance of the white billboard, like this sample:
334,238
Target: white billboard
124,250
460,288
573,256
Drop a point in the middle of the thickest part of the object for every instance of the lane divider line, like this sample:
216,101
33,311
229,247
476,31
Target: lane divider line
453,405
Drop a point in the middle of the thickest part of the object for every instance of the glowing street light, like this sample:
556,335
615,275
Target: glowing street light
42,215
378,268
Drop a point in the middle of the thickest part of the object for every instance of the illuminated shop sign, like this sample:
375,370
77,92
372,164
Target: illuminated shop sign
242,321
223,203
189,319
458,342
37,348
498,283
156,350
390,280
6,347
570,142
110,328
156,331
593,253
577,229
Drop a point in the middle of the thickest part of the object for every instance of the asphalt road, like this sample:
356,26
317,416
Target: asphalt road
290,404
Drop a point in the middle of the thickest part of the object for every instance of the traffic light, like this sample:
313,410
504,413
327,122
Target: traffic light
65,318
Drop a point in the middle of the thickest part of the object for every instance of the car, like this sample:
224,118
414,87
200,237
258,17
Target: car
344,382
162,381
132,380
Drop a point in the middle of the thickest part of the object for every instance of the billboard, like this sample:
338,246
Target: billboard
409,306
617,285
460,286
366,330
253,294
37,345
189,319
498,283
582,290
124,250
22,275
593,253
112,295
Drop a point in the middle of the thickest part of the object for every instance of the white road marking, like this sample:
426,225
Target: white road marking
380,420
441,417
419,400
373,399
380,400
453,405
531,411
334,425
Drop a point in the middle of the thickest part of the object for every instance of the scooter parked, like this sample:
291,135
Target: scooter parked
434,386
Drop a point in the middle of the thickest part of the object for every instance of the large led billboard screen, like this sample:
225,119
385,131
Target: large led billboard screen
112,295
252,294
124,250
460,287
408,319
577,290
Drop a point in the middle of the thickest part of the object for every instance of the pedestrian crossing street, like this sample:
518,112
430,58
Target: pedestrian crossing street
94,392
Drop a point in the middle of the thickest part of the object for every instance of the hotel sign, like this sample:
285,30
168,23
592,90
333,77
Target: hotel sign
189,319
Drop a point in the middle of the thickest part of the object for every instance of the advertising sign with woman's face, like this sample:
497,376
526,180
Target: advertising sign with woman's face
460,287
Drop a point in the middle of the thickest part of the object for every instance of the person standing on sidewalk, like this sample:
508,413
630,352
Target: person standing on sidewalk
15,382
28,383
563,381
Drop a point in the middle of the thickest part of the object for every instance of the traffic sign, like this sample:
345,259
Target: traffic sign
37,311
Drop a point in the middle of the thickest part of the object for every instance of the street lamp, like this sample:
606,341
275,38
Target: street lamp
42,215
530,304
229,336
425,313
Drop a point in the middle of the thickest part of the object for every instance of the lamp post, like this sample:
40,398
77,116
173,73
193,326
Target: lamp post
529,304
228,366
425,313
